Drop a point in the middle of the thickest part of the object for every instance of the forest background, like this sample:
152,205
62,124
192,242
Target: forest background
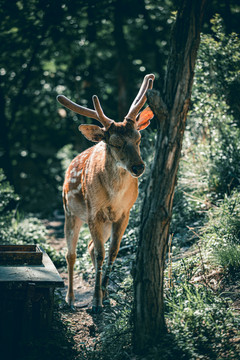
81,48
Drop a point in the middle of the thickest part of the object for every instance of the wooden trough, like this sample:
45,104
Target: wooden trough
28,279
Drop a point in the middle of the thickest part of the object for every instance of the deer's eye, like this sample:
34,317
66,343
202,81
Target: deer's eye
116,146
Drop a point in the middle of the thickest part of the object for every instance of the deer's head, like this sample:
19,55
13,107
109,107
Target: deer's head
123,138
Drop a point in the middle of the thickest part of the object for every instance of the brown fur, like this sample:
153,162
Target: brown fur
101,187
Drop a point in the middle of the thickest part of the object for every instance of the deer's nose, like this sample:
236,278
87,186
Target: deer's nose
138,169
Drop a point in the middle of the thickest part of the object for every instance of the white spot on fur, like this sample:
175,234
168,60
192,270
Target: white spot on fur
73,180
73,172
72,193
79,187
79,172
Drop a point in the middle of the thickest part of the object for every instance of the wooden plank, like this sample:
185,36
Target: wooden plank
20,255
45,275
19,248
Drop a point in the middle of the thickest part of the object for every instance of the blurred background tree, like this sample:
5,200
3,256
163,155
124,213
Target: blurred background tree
78,48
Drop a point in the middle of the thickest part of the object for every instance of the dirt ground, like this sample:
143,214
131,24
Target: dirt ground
85,327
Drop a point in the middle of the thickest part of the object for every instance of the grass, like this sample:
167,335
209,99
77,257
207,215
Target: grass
204,325
221,235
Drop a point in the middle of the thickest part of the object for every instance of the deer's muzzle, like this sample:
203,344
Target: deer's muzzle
138,169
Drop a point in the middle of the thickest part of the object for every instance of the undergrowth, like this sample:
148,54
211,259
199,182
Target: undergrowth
221,235
19,229
204,325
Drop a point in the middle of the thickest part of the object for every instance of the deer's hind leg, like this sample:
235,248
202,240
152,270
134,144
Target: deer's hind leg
72,228
106,232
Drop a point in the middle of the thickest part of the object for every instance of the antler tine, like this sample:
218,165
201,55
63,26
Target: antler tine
105,121
77,108
141,98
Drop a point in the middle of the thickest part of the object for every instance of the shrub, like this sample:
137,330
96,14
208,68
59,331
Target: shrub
191,198
201,322
7,199
221,235
18,229
66,155
212,120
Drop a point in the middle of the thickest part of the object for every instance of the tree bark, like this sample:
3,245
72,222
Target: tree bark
170,109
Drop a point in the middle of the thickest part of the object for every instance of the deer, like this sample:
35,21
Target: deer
101,186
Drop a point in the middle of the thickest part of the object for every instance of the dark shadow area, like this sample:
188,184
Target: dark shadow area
55,342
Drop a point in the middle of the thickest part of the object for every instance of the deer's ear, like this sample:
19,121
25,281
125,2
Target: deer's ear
92,132
143,119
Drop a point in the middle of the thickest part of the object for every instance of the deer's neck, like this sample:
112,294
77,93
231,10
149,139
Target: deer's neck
111,173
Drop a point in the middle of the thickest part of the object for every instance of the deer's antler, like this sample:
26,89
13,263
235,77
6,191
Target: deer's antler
96,114
141,98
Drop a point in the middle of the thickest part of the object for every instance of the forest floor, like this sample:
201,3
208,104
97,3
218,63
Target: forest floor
85,328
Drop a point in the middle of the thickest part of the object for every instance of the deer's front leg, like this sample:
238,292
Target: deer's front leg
98,237
118,229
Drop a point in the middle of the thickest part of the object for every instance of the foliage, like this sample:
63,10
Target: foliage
216,69
77,48
202,322
83,261
28,230
214,119
7,198
209,167
16,229
192,197
225,173
65,155
221,235
228,257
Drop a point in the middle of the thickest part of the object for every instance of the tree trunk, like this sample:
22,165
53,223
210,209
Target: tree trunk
170,109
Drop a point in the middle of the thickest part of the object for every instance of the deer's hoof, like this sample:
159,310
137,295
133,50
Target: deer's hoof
70,302
96,309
